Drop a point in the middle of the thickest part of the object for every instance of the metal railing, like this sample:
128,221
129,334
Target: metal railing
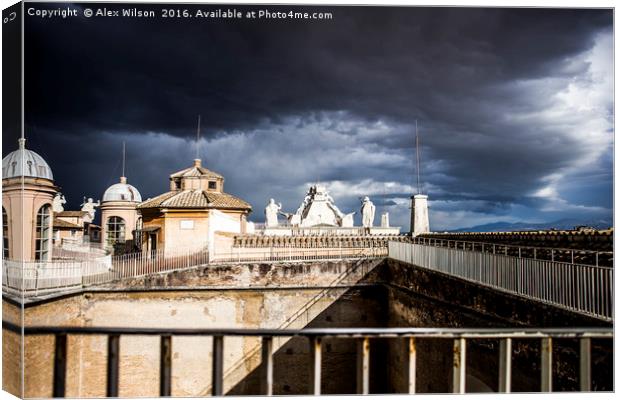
582,288
460,338
572,256
32,279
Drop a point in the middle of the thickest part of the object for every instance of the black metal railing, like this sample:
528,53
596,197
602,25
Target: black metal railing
459,336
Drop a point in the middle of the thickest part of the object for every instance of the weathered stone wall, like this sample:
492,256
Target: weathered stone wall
11,351
419,297
279,298
308,274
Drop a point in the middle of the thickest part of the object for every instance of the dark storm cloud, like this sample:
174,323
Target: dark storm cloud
475,79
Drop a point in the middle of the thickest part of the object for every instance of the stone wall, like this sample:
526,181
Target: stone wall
191,357
420,297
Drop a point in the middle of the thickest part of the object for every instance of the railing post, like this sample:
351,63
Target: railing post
505,365
267,366
165,366
217,384
458,364
412,365
585,365
363,366
546,365
112,370
315,365
60,365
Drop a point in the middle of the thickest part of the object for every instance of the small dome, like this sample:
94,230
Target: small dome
122,192
24,162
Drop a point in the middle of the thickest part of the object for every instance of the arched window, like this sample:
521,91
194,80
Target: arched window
116,230
5,234
42,238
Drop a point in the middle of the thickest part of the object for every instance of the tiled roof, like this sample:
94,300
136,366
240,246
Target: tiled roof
59,223
195,199
70,213
196,171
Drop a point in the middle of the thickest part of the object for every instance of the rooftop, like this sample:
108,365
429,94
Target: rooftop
60,223
196,170
71,214
195,199
23,162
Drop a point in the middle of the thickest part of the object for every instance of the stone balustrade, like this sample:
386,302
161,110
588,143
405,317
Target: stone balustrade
258,241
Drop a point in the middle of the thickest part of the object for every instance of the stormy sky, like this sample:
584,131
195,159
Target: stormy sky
514,107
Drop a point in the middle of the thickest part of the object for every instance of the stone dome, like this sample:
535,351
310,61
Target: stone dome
22,162
122,192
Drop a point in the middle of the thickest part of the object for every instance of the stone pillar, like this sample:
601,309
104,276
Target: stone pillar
385,220
419,214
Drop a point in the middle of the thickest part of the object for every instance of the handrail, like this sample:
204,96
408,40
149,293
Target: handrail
470,333
536,251
315,336
580,288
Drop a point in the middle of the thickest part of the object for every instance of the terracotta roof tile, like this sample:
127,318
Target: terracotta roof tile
196,171
225,200
195,199
59,223
71,213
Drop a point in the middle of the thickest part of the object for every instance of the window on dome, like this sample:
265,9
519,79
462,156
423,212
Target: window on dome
42,238
212,185
5,234
116,230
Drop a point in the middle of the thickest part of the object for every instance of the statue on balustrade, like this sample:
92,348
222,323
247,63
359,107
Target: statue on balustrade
89,207
271,213
57,203
368,213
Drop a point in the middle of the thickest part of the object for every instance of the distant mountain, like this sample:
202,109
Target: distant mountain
562,224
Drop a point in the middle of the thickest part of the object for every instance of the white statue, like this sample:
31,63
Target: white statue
271,213
385,220
89,207
57,203
368,213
